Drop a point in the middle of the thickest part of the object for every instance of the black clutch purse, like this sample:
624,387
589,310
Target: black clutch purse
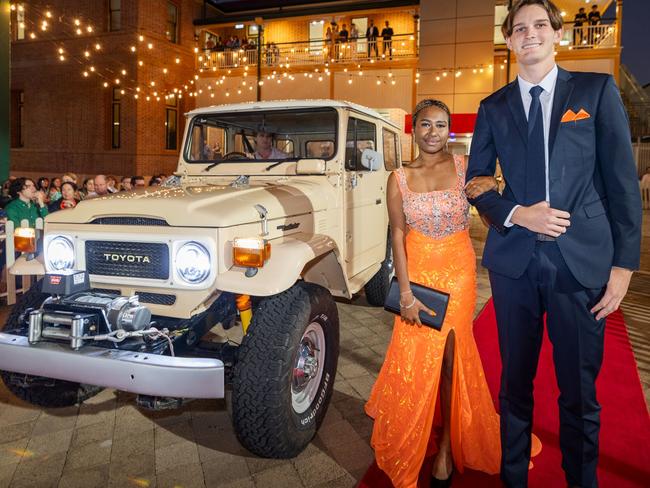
434,299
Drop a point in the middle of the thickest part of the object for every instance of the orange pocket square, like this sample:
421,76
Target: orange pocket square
569,116
582,114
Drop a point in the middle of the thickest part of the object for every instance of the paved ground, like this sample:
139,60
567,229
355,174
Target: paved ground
107,442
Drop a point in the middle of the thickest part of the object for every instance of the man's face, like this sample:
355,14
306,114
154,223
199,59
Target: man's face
126,183
533,39
263,141
101,188
29,190
139,183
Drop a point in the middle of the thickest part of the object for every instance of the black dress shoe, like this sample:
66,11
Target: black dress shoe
437,483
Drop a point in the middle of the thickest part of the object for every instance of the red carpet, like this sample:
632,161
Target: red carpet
625,424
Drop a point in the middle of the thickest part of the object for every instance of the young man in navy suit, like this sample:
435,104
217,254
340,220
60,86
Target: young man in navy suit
565,234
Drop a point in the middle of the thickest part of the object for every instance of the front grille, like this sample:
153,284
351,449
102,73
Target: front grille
129,221
129,259
156,298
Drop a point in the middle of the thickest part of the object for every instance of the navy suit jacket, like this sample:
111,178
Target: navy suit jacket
592,175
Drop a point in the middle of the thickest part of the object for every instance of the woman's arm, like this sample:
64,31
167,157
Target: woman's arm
409,305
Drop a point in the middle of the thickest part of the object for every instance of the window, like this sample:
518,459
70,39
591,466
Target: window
171,31
391,161
361,135
171,117
114,15
116,109
295,134
17,118
20,23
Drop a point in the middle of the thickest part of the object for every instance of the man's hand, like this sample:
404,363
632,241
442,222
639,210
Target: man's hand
479,185
619,281
543,219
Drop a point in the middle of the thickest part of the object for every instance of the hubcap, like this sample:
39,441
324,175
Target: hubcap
308,368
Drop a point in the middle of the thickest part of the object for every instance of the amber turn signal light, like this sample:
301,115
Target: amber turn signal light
251,252
25,239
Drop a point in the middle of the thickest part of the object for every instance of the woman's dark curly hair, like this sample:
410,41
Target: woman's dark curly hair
430,102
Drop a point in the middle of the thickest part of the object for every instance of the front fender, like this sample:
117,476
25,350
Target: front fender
289,257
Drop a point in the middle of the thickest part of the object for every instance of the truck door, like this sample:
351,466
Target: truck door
366,214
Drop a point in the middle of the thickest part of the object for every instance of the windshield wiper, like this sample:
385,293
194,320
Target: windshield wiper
278,163
212,165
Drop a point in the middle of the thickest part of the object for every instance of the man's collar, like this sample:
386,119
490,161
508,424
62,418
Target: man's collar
547,83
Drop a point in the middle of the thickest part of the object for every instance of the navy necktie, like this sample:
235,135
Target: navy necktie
535,160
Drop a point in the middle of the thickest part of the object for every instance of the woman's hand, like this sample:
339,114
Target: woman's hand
410,308
479,185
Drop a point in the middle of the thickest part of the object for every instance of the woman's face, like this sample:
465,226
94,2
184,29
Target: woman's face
431,130
68,192
56,182
90,186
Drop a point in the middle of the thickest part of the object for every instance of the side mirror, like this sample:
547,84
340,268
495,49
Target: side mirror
372,160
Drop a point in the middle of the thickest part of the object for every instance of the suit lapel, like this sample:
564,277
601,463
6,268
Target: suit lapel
563,90
516,106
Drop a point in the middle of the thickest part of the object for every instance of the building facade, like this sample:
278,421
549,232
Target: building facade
119,108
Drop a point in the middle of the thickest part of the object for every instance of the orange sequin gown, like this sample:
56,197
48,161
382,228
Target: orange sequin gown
403,399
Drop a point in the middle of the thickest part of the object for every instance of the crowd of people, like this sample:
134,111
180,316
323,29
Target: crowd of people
24,198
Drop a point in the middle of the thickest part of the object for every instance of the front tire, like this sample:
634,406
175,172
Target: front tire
284,376
44,392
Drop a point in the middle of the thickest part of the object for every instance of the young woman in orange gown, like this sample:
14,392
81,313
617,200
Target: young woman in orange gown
429,221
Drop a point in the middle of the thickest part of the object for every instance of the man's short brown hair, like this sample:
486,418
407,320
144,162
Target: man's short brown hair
554,15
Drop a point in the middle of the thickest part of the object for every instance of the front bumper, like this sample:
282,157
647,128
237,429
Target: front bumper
135,372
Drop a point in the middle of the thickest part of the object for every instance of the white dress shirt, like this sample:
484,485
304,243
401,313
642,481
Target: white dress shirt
546,102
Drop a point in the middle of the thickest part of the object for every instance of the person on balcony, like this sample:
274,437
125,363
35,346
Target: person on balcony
387,37
594,20
354,36
578,26
343,40
372,33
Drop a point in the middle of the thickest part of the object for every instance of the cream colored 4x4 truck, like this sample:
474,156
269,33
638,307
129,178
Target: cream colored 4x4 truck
137,282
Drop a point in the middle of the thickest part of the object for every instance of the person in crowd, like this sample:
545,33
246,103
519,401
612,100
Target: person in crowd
155,181
111,183
594,20
137,182
354,37
372,33
43,184
210,44
68,197
88,187
578,26
54,192
645,179
100,187
27,202
125,183
72,177
264,148
560,249
387,37
429,223
4,197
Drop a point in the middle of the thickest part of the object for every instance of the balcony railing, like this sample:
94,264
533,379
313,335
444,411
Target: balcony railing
313,52
589,36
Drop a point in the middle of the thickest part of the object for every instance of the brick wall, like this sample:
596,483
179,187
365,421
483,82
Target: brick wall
67,117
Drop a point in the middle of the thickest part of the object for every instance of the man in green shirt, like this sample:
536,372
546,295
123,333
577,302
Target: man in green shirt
27,204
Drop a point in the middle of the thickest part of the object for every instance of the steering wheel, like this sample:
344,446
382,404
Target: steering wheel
234,155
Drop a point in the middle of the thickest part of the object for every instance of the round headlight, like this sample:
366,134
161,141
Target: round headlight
60,253
193,263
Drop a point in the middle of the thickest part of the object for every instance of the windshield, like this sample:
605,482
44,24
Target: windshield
273,135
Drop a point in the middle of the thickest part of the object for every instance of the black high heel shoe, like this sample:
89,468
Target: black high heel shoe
437,483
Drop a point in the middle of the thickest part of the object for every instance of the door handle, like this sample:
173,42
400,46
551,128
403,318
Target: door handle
378,201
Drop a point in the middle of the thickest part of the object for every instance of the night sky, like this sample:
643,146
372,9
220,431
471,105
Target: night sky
636,39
